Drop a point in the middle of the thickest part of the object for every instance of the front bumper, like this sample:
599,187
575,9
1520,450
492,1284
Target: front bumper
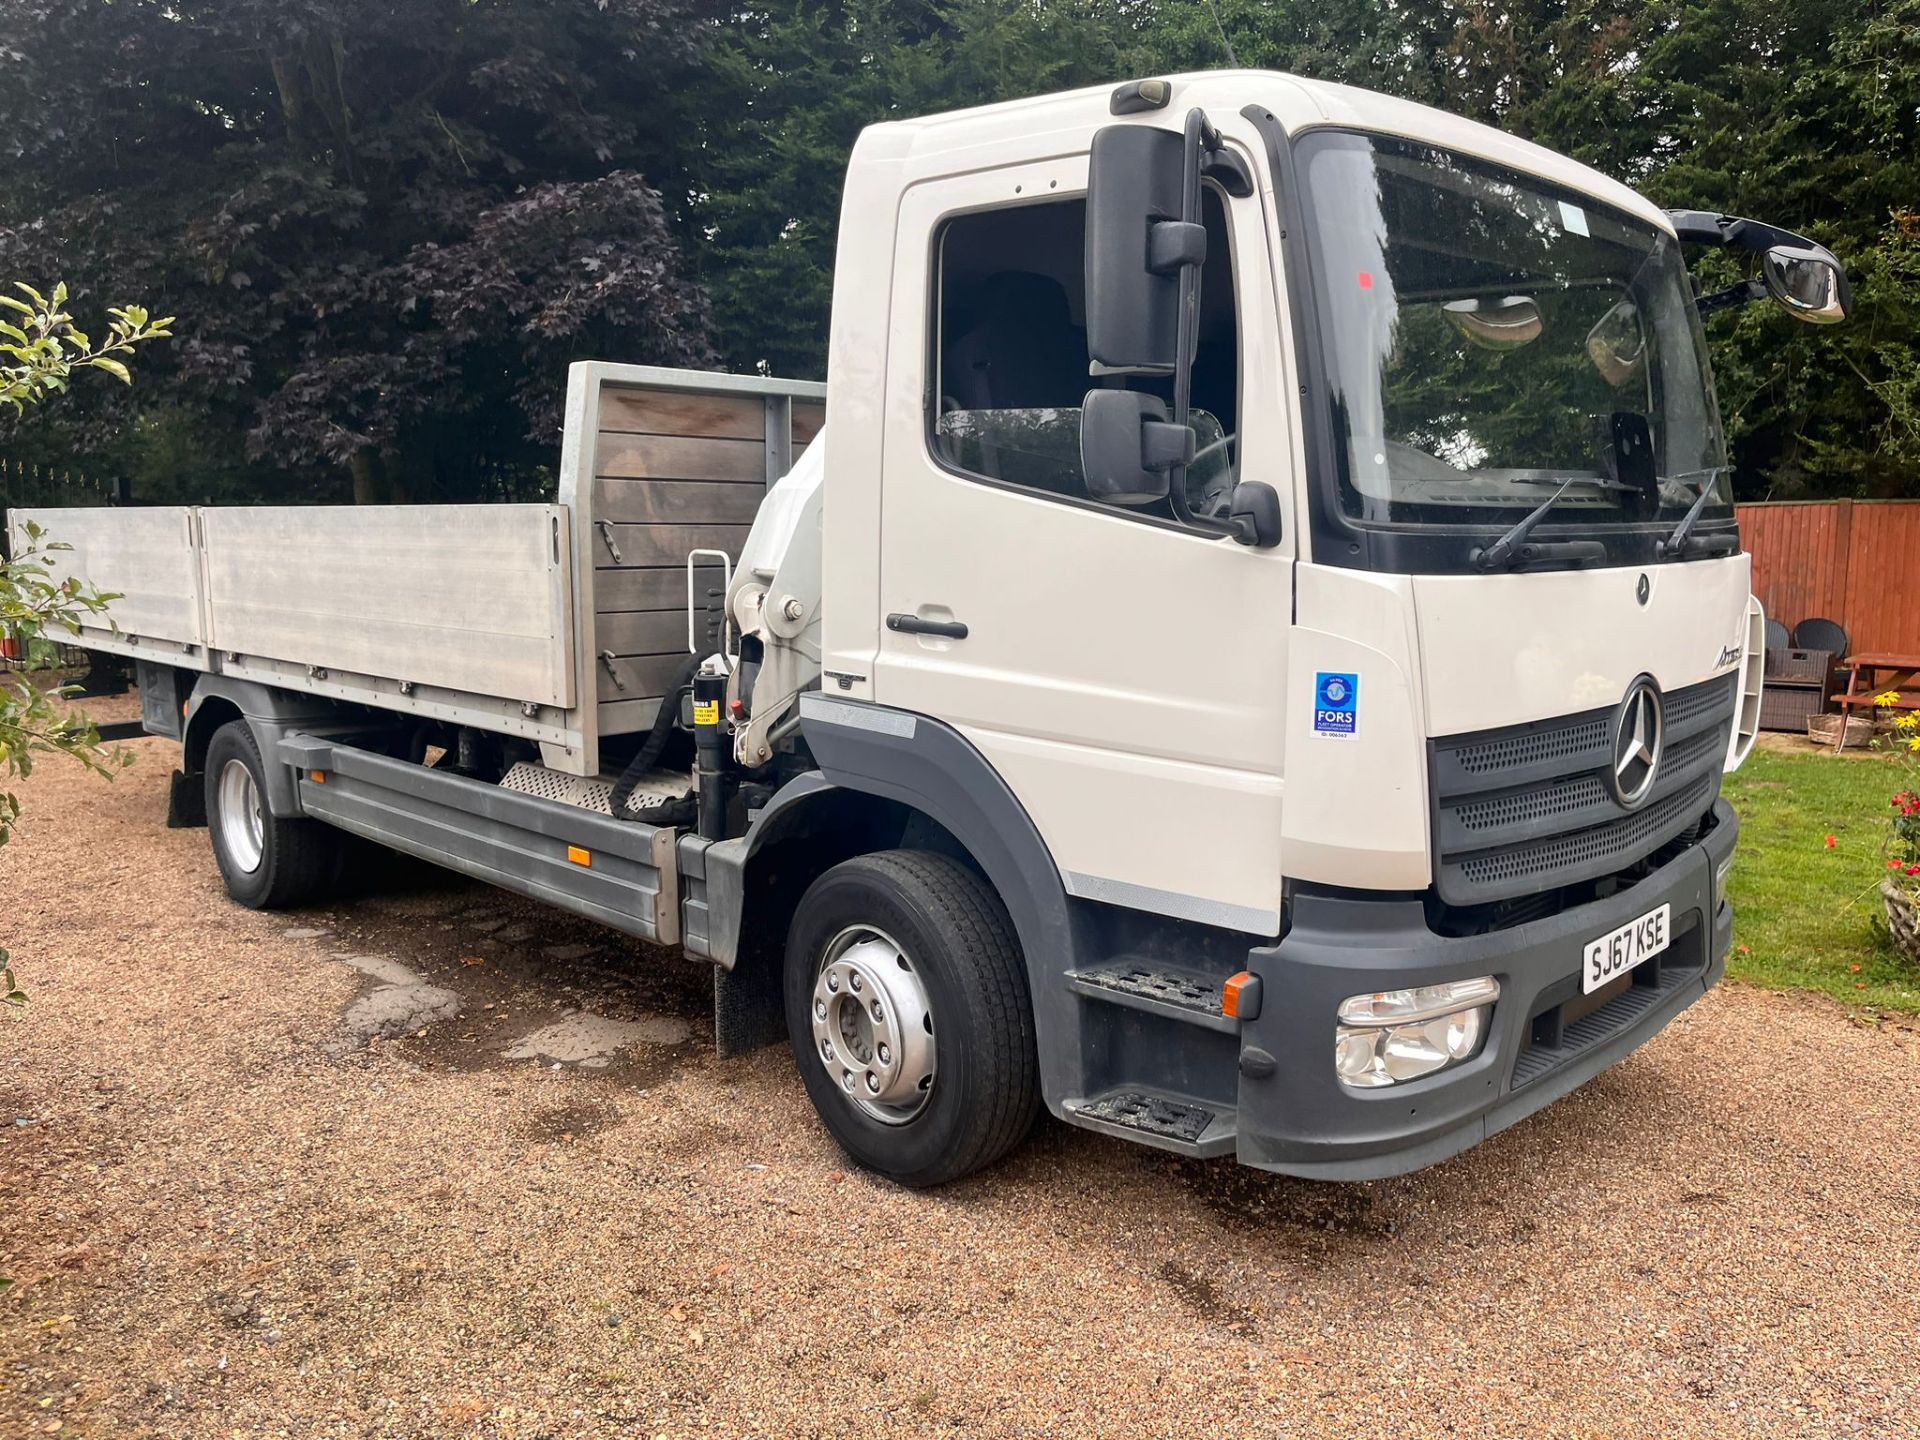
1294,1115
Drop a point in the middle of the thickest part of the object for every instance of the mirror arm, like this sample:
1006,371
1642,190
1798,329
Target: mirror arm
1732,296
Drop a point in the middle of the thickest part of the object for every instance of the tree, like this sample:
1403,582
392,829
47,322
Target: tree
394,223
40,356
789,86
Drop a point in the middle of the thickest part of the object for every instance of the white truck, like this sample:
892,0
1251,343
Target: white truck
1248,661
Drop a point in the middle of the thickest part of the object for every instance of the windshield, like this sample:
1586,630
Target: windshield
1490,336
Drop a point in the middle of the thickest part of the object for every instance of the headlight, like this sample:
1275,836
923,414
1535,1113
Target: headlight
1395,1035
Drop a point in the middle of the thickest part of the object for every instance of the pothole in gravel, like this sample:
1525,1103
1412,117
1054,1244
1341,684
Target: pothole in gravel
591,1040
465,977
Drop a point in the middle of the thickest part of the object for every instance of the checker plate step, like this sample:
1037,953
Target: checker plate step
1179,988
1150,1113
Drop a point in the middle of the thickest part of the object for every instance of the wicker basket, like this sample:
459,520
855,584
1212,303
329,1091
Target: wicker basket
1825,729
1903,920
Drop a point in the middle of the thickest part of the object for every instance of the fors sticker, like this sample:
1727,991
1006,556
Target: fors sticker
1336,703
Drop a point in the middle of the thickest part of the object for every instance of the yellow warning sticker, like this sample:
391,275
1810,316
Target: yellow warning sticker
706,712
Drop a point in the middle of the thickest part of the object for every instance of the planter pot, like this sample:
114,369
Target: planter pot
1903,918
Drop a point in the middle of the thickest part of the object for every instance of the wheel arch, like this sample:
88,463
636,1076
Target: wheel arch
887,778
218,700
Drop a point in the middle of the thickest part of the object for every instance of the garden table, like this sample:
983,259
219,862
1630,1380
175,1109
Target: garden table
1874,673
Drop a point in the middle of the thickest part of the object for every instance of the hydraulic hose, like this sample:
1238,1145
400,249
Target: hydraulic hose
650,751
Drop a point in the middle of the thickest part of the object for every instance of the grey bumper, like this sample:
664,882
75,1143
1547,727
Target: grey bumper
1295,1117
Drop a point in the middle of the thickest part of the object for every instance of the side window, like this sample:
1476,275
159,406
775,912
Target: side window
1010,353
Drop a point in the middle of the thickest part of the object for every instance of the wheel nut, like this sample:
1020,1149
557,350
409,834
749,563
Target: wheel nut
873,1083
820,1009
854,980
826,1051
885,1054
878,1014
833,982
847,1080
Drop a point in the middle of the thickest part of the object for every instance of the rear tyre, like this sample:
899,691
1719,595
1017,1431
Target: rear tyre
268,863
910,1016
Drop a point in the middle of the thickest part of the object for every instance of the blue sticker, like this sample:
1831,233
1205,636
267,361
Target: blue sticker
1336,702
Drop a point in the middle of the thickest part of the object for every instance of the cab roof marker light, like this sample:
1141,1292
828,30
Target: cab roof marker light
1136,97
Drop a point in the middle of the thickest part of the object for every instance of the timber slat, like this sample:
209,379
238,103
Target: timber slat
668,412
678,457
698,502
660,588
643,632
643,676
645,545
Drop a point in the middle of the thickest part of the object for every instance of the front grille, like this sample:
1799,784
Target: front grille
1527,808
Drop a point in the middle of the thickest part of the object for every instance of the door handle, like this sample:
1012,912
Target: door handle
914,625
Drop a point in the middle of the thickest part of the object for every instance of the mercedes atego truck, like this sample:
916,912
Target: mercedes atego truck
1241,652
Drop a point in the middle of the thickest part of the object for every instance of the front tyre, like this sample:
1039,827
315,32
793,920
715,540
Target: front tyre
910,1017
268,863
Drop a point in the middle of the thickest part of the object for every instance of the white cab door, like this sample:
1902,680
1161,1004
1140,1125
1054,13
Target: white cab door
1126,678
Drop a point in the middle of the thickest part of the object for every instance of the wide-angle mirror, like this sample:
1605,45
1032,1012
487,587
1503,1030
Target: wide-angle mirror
1806,283
1504,324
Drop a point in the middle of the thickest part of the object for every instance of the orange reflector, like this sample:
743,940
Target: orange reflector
579,856
1230,993
319,777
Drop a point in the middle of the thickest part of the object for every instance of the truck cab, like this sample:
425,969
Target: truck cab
1441,817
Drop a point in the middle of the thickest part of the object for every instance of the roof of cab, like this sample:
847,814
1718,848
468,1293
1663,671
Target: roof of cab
1298,103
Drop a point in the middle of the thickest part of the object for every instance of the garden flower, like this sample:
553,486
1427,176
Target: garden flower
1831,842
1887,697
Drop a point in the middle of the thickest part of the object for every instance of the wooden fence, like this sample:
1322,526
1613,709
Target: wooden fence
1854,561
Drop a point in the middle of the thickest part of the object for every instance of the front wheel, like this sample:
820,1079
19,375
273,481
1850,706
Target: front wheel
268,863
910,1016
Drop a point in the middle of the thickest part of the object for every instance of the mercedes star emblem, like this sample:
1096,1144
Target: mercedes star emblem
1639,730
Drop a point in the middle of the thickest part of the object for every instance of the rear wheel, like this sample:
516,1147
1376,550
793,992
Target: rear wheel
268,863
910,1017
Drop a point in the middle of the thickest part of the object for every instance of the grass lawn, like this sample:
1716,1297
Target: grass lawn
1806,917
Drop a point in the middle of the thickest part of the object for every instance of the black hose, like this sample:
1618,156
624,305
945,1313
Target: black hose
648,755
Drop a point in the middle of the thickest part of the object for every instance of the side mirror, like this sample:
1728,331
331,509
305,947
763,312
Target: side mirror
1807,283
1136,246
1254,512
1127,446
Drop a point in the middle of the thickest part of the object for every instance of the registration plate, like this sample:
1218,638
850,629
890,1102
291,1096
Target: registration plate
1618,951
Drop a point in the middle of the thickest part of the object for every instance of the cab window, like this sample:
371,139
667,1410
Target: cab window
1010,354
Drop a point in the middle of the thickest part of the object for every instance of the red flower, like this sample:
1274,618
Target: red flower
1913,869
1831,842
1893,864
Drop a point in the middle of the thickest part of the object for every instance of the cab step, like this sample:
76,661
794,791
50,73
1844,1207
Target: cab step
1185,995
1167,1122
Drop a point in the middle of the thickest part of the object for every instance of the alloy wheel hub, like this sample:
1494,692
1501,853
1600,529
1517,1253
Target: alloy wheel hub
873,1025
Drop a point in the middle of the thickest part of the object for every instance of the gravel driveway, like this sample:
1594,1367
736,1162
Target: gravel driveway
227,1215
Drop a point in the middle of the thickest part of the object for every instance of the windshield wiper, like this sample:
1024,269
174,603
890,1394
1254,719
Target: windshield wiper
1677,545
1513,548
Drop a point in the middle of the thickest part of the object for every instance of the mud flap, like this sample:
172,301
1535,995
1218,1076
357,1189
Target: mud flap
186,801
